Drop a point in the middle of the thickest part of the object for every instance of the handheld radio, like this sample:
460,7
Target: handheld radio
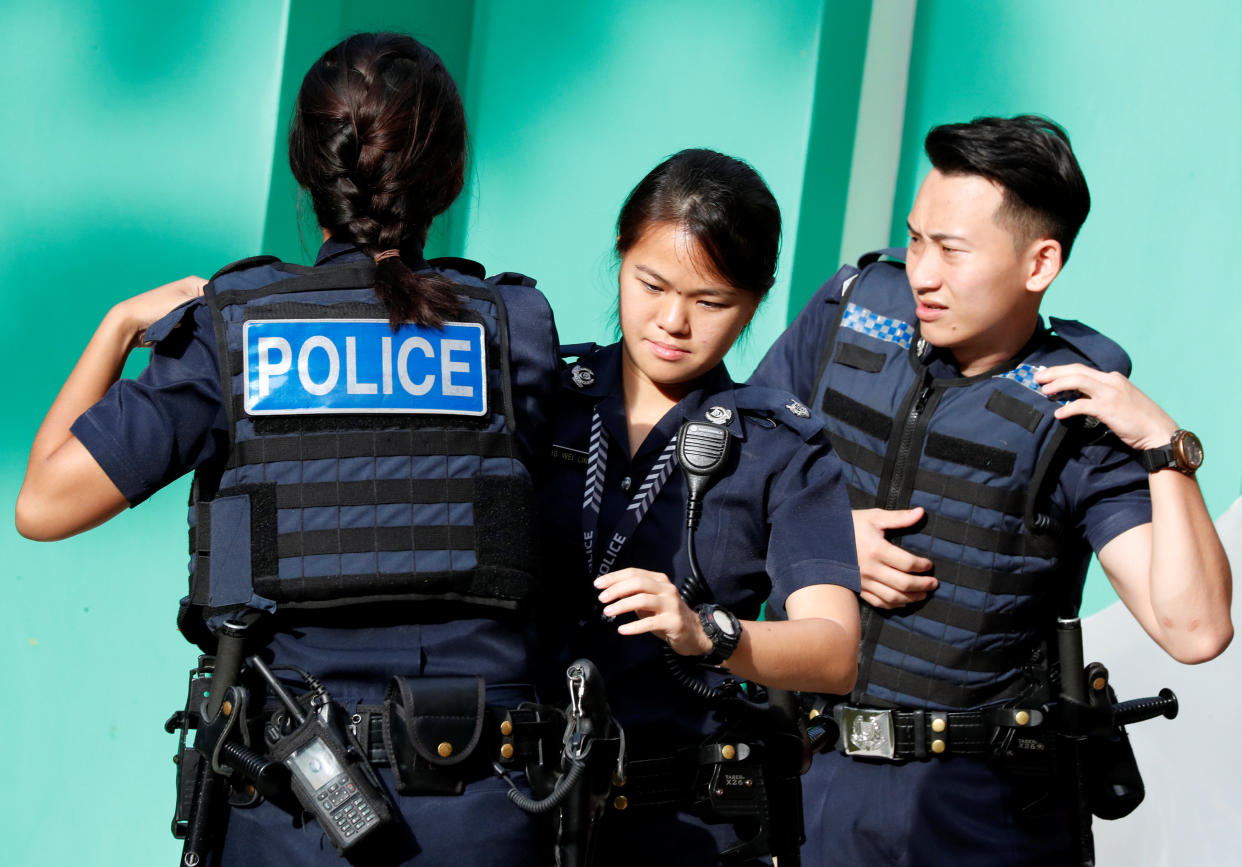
329,774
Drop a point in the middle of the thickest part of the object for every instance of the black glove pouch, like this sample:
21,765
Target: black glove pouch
432,729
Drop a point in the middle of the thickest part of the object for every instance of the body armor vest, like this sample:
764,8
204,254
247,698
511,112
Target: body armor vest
311,509
974,452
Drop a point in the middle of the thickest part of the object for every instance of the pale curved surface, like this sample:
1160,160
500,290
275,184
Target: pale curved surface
1192,766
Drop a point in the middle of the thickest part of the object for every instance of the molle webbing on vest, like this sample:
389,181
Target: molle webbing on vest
969,451
315,510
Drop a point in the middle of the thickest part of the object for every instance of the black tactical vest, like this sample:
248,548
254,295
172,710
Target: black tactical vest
974,452
321,506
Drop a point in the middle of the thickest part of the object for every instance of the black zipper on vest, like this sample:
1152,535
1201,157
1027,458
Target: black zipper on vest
896,482
896,486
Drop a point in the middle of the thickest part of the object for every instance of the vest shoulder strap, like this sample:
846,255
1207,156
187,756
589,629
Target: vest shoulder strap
469,267
898,253
512,278
1101,351
244,264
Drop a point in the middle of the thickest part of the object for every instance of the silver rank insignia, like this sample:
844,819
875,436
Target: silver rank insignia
920,348
719,415
582,376
798,409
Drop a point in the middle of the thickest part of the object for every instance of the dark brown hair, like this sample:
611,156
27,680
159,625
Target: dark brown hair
378,139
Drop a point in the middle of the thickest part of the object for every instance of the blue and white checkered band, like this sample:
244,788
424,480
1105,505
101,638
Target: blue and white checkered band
597,465
1024,375
295,366
864,321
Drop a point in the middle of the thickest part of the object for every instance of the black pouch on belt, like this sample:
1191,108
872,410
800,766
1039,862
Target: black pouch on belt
432,728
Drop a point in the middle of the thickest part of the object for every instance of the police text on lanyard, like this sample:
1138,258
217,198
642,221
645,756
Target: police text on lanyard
597,465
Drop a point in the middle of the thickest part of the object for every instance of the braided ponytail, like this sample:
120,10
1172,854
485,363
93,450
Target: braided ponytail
378,139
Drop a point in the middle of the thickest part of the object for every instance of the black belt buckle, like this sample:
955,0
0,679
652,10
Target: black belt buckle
865,731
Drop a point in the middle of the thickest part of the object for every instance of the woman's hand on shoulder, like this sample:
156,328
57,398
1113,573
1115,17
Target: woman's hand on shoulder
657,607
135,315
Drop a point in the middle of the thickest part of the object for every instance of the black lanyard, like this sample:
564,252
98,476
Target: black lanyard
597,467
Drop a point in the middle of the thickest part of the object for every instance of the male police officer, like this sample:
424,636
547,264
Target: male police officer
988,455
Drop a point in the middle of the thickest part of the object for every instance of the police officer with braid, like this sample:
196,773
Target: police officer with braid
361,434
697,241
989,453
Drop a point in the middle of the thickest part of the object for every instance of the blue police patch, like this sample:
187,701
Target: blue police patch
361,366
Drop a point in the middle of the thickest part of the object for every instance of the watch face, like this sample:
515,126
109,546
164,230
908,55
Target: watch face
723,622
1188,450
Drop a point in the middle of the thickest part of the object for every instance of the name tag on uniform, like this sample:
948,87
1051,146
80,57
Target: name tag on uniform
360,366
573,457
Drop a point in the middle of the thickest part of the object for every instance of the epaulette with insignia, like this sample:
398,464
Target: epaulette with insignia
779,407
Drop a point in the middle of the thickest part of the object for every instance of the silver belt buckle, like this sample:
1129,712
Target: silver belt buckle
865,731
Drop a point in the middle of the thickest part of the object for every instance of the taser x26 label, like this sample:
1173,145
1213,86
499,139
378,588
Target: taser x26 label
362,366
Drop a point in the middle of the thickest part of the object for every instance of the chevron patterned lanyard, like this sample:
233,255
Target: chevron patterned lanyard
597,465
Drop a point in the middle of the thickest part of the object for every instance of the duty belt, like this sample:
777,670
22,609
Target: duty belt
898,735
511,736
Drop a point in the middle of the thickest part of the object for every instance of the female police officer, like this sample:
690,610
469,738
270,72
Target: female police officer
376,414
698,241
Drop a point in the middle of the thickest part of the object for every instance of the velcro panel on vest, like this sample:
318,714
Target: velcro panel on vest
857,414
235,542
855,356
1010,408
504,515
967,454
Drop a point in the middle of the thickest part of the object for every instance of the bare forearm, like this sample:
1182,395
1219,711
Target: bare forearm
1190,580
99,366
812,654
65,491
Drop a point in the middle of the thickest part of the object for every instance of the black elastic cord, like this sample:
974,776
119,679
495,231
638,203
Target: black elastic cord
538,806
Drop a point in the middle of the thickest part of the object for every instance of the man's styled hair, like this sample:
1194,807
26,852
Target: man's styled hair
1045,193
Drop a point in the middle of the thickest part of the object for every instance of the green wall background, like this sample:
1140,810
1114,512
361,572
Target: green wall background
146,141
1152,100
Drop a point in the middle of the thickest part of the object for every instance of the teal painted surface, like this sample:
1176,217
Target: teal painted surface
572,104
1152,98
137,151
830,149
290,229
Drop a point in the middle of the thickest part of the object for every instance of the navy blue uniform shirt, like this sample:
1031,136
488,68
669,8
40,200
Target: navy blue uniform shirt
775,521
1101,492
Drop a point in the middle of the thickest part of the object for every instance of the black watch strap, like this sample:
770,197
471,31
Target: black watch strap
1184,453
1158,458
722,628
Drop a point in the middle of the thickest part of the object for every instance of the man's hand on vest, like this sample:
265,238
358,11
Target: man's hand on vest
1136,419
890,576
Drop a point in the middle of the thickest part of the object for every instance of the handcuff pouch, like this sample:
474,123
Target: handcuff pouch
432,728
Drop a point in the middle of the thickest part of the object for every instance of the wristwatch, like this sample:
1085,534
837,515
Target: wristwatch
722,628
1184,453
